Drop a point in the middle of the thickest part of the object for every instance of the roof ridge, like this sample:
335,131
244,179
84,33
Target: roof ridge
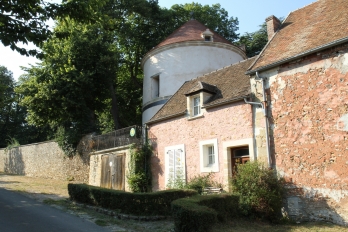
303,6
205,74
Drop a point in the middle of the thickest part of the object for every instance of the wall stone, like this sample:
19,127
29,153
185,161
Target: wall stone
44,160
225,123
308,99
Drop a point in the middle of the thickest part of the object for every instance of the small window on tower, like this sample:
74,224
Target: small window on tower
155,86
207,35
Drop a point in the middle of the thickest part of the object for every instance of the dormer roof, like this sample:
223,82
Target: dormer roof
202,87
191,31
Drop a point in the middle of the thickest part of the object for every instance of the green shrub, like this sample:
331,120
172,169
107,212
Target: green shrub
139,174
260,191
200,182
156,203
200,213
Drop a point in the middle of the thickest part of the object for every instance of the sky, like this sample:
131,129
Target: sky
250,13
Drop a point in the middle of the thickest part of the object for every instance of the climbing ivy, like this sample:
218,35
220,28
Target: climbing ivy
139,175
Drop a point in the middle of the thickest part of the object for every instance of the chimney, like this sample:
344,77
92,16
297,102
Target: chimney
273,25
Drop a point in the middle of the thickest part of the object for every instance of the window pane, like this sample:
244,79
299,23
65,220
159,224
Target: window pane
211,155
241,152
196,106
196,101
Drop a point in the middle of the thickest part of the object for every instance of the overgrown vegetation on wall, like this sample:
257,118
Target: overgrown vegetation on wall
139,174
11,143
260,190
67,140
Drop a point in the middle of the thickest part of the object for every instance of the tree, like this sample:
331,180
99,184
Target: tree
214,17
24,21
255,41
12,116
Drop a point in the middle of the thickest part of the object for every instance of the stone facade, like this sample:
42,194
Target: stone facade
44,160
308,99
230,124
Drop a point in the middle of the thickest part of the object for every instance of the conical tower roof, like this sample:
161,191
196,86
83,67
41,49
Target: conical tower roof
191,31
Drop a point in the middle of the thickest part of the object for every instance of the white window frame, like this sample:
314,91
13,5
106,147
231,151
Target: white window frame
204,148
175,163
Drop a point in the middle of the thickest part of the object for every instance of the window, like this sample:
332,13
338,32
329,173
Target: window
207,35
209,158
155,86
175,172
196,106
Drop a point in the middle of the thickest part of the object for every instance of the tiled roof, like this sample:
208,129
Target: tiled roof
190,31
306,29
229,82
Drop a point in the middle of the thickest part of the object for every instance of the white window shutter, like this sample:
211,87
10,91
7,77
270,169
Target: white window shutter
174,163
169,163
180,164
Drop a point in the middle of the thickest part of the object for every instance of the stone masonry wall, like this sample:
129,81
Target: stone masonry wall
44,160
309,130
225,123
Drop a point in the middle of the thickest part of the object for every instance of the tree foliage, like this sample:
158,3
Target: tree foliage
13,125
24,21
214,17
255,41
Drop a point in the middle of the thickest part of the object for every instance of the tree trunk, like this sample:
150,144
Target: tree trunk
114,107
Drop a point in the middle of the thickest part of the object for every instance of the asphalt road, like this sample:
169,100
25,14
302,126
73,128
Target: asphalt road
19,213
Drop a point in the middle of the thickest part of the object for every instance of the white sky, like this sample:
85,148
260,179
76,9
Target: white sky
250,13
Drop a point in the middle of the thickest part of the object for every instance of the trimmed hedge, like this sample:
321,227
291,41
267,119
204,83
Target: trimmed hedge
200,213
156,203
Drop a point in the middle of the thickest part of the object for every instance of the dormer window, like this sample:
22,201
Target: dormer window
207,35
207,38
196,97
196,106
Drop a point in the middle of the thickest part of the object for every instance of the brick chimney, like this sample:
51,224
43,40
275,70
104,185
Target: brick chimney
273,24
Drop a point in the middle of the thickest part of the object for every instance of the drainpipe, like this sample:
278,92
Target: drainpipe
264,109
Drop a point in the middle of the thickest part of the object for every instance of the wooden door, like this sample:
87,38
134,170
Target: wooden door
105,181
118,172
113,172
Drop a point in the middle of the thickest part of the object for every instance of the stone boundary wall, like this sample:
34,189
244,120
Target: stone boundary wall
44,160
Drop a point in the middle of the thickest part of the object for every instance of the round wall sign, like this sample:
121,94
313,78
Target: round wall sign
132,132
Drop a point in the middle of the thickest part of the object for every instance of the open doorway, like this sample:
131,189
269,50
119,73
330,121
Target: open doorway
239,155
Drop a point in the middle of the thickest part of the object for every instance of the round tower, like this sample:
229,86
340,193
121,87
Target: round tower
190,51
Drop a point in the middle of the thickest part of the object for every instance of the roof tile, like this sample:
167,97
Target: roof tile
307,28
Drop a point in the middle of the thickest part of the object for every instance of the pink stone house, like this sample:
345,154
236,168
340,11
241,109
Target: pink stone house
303,71
205,127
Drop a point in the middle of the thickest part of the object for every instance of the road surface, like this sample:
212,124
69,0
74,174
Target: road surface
19,213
